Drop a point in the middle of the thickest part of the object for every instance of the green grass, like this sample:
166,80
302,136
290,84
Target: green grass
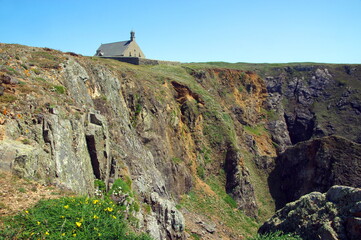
256,130
22,190
176,160
271,115
40,79
36,71
195,236
12,71
70,218
44,59
6,98
25,141
201,172
265,202
276,236
220,207
59,89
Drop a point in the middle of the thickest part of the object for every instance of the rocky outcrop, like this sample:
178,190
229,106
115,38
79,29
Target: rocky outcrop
238,183
316,165
330,216
24,160
165,221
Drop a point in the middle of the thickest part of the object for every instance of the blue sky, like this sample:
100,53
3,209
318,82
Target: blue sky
193,30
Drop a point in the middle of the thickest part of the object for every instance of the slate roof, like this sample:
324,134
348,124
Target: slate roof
114,49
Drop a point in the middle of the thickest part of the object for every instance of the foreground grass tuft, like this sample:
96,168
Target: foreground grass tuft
70,218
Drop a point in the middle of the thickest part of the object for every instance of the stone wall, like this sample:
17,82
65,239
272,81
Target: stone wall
142,61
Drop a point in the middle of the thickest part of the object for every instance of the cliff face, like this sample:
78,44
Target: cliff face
197,142
316,165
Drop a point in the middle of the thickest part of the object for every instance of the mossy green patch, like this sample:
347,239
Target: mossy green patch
255,130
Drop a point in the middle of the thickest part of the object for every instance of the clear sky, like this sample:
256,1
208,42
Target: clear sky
193,30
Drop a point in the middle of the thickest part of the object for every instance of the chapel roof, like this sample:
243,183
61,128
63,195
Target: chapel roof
114,49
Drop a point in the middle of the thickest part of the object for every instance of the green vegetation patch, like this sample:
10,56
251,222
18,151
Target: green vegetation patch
221,207
6,98
258,177
12,71
70,218
276,236
25,141
219,128
255,130
177,160
59,89
201,172
44,60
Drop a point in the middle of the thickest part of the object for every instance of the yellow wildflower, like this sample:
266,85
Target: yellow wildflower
62,216
109,209
26,211
95,201
66,206
74,235
63,234
78,224
96,217
114,217
47,233
38,222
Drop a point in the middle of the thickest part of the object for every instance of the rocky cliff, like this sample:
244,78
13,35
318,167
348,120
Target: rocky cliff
202,144
329,216
317,165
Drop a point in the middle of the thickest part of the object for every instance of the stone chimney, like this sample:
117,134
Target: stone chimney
132,36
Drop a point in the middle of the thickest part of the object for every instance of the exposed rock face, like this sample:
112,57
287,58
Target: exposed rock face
316,165
165,222
313,101
24,160
329,216
238,184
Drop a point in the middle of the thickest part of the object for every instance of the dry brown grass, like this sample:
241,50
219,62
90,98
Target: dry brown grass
17,194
